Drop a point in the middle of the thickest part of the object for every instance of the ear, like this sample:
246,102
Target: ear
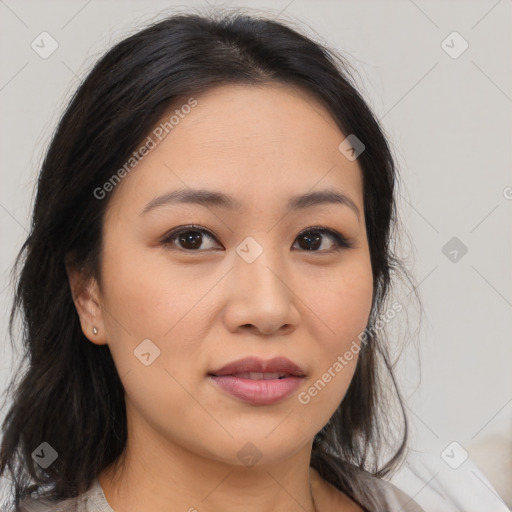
87,299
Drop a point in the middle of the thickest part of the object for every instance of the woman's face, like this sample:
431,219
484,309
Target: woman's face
253,281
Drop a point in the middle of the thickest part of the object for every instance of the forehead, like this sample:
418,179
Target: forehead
258,142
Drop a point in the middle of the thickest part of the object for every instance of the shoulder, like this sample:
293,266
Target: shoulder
381,492
90,501
397,499
35,503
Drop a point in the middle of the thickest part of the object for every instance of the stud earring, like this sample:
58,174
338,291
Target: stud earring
94,330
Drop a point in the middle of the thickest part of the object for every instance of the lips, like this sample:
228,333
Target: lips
257,381
260,375
254,366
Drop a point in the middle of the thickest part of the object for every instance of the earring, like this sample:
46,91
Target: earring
94,330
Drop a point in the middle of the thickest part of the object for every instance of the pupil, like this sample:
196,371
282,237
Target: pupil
193,237
314,237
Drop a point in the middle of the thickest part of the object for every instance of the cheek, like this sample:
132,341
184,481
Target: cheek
146,298
344,307
351,304
344,304
145,295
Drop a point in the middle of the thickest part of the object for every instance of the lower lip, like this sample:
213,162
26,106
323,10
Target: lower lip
258,392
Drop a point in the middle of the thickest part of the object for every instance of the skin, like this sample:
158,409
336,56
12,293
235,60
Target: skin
206,308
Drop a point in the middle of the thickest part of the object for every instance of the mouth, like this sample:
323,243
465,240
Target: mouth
257,381
259,375
257,369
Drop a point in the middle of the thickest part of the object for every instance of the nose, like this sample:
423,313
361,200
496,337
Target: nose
261,297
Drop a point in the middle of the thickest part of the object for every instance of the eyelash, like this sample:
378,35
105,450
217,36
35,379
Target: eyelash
340,242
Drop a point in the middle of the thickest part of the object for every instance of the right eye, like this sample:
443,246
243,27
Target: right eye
189,238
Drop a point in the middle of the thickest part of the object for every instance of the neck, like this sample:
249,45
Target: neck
160,479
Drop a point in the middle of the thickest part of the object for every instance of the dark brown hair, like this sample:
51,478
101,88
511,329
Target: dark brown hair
68,392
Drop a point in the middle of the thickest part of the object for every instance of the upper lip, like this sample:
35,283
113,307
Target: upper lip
255,364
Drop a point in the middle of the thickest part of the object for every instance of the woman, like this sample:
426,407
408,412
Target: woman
205,284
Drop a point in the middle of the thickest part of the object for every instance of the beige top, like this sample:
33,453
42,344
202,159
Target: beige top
94,501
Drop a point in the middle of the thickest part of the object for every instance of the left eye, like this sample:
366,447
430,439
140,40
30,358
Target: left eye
190,239
312,237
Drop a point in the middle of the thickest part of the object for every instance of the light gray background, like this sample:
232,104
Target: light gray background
448,121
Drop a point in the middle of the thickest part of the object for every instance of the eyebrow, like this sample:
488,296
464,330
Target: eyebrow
211,198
